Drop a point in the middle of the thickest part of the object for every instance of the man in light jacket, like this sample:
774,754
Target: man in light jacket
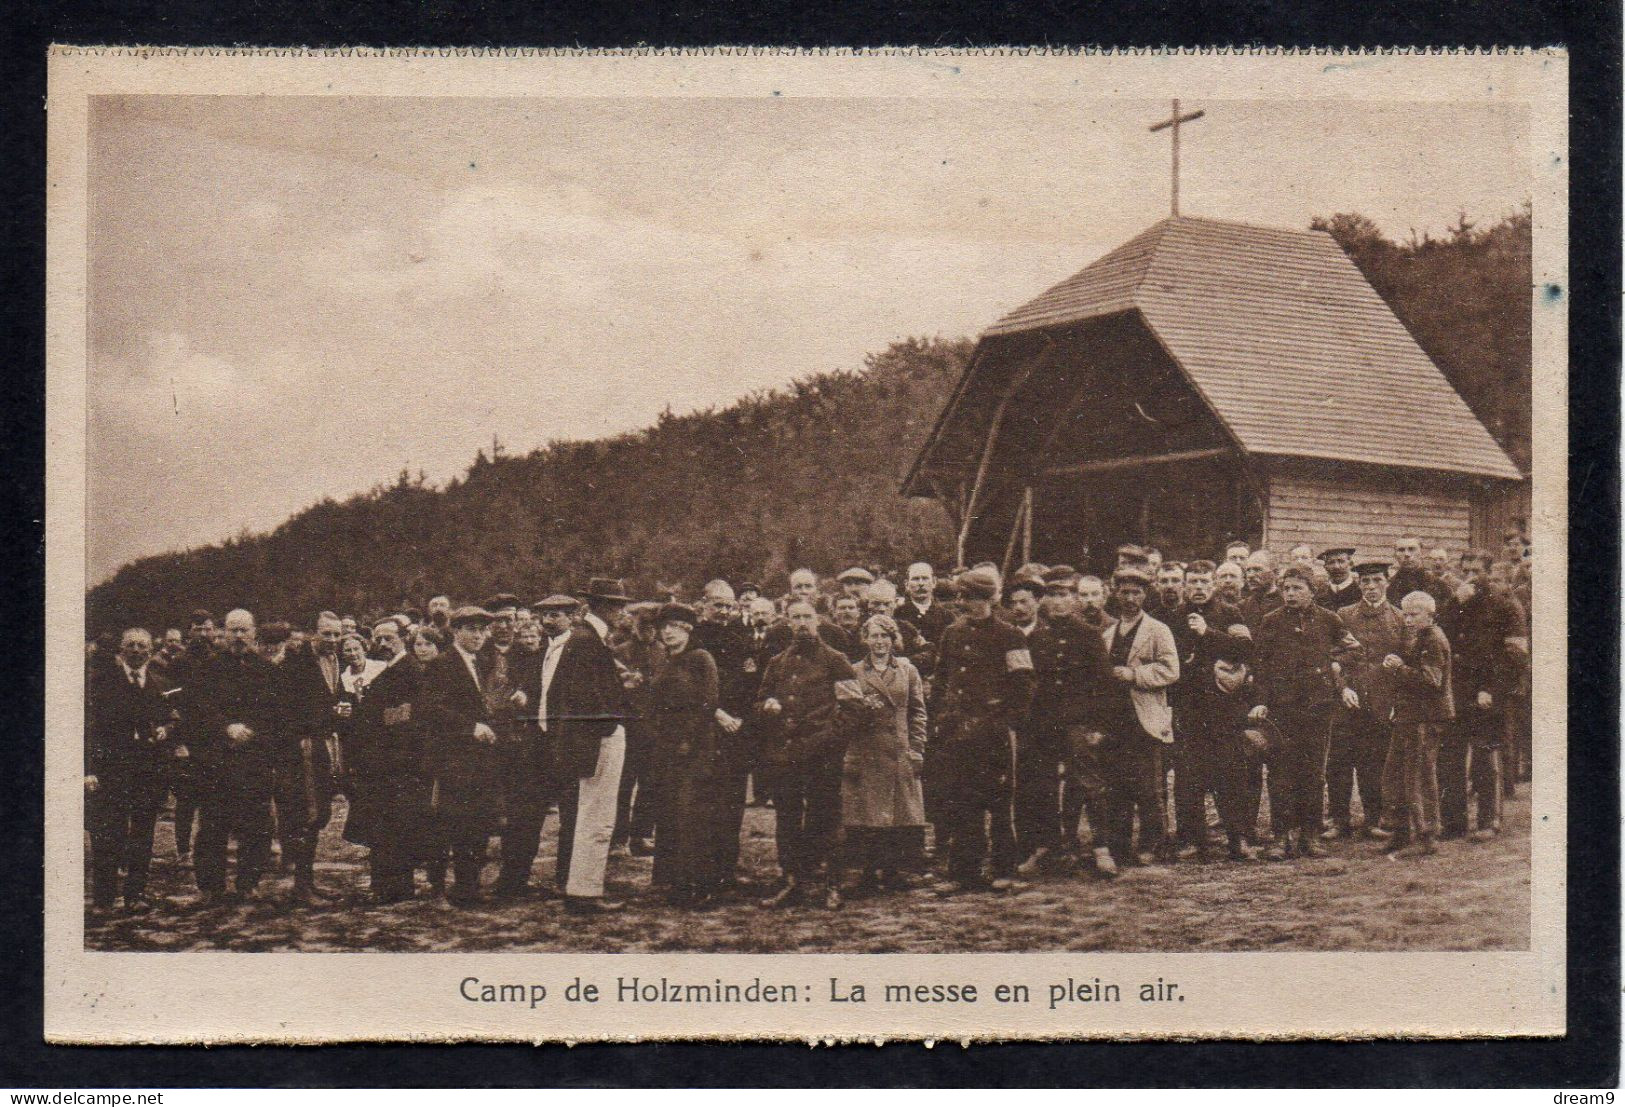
1138,722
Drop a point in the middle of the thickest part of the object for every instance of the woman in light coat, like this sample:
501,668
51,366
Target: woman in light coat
882,805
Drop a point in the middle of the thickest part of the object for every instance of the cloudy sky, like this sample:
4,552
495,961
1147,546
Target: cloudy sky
296,297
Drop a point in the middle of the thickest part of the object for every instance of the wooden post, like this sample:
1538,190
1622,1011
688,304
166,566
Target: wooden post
987,450
1027,524
1015,532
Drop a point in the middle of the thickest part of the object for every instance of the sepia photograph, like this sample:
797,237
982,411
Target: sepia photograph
677,506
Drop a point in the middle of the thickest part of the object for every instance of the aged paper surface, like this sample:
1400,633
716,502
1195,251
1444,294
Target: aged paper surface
213,990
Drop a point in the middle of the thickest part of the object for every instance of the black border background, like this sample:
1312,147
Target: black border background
1587,1057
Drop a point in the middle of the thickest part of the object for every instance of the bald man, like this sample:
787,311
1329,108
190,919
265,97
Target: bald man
230,737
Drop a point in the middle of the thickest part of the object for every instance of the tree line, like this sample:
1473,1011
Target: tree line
807,474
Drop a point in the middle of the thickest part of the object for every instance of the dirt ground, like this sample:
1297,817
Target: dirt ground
1469,896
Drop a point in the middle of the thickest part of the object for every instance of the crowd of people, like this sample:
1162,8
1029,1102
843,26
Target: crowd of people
969,734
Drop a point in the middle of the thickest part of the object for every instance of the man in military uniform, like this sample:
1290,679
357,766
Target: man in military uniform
1070,671
803,746
1299,651
1361,735
1213,645
983,689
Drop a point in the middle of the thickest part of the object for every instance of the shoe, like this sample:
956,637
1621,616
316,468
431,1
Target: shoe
1485,834
786,896
1035,863
1241,851
1425,847
642,847
1003,884
1377,833
949,888
1334,832
1308,847
1276,853
1104,863
832,899
591,905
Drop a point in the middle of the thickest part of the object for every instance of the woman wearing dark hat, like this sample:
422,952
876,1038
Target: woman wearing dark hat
683,698
882,806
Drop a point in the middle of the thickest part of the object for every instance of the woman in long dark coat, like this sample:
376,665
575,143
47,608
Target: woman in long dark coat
882,805
683,699
390,785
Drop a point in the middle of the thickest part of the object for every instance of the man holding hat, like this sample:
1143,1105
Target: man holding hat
1361,735
1342,586
461,744
982,692
572,700
1299,651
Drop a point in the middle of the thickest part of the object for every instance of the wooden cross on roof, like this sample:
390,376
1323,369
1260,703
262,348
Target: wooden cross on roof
1173,121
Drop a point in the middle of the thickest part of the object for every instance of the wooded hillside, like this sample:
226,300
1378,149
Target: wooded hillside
807,474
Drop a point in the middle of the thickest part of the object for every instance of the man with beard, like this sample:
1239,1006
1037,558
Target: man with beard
1228,582
1062,725
1300,649
440,614
234,710
804,746
1092,603
1342,589
1209,713
739,675
982,692
314,708
1362,735
1488,634
127,750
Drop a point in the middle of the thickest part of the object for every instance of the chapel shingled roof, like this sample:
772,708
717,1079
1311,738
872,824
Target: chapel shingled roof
1286,341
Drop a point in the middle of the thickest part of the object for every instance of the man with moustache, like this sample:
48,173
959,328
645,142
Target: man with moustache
1361,735
982,692
234,717
1342,588
462,741
127,750
440,613
1209,713
1062,726
1261,595
1228,582
922,609
1138,723
1091,607
1170,591
314,708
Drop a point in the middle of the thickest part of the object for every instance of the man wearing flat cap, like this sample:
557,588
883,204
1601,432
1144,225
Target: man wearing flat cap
1361,734
572,698
982,692
1138,722
462,752
1342,586
854,580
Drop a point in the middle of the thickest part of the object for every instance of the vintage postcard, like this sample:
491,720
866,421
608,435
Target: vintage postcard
839,545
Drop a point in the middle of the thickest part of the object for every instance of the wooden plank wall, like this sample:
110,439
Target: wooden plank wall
1333,513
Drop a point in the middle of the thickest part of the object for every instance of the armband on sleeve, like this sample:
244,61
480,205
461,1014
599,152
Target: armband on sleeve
1016,661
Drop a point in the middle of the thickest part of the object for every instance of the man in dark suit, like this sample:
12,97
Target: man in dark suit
1342,586
230,734
196,652
921,607
127,748
739,674
574,699
314,708
458,720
